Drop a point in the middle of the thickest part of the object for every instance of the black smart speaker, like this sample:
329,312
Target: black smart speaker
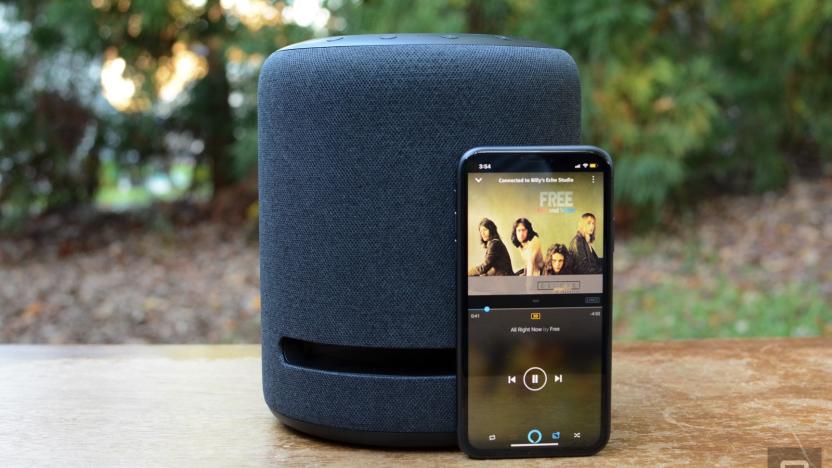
359,139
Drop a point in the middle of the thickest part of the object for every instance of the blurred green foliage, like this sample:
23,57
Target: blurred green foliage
64,142
673,310
691,97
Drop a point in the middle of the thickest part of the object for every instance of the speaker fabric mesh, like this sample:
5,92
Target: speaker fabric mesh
358,148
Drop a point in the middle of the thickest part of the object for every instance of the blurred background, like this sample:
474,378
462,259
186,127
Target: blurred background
128,149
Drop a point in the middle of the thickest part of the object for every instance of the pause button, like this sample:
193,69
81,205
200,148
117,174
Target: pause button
534,379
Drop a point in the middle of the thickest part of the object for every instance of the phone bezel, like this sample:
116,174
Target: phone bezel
606,298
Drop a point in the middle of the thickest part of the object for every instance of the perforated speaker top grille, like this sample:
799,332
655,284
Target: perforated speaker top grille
358,147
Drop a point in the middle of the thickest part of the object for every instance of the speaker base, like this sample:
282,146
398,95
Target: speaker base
377,439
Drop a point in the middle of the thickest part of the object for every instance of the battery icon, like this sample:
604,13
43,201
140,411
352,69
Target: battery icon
593,165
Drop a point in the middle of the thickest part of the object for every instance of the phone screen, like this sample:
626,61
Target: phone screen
534,284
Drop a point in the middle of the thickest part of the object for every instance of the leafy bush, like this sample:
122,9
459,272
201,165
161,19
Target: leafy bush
691,97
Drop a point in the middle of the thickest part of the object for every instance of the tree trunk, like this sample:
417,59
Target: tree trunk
218,126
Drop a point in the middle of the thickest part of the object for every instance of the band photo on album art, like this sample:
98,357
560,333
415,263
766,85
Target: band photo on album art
535,233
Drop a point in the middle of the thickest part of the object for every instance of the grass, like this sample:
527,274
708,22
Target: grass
725,310
177,180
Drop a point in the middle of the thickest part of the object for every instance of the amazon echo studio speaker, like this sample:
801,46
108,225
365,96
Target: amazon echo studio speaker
359,140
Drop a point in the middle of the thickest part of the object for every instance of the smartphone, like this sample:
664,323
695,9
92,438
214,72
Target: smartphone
535,243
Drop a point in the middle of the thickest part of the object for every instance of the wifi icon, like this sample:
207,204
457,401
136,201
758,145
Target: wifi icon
585,165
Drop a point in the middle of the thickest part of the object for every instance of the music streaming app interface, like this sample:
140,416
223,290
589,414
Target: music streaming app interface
535,331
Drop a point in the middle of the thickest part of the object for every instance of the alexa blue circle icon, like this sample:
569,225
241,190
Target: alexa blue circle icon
535,436
486,309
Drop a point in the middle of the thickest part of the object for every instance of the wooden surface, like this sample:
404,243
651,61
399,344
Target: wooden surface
701,403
